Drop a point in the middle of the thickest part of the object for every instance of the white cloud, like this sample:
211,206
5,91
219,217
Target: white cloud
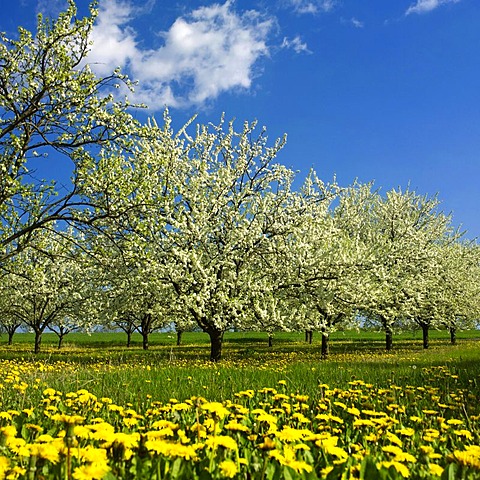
296,44
424,6
312,6
209,51
114,44
356,23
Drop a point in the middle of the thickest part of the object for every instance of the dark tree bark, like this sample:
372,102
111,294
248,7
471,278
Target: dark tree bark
129,338
309,336
325,344
388,339
270,340
425,329
11,328
216,341
145,335
179,337
38,341
61,333
453,335
146,328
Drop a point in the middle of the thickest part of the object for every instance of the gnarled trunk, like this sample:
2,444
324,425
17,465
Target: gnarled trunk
10,337
388,339
179,337
216,340
38,340
145,340
453,335
425,328
325,345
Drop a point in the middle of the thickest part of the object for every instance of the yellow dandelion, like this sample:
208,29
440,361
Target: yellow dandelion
454,421
393,439
289,434
216,408
466,458
435,469
399,467
93,471
47,451
354,411
221,440
4,466
68,419
463,433
228,468
234,425
288,458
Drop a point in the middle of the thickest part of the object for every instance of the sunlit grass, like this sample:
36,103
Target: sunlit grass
362,413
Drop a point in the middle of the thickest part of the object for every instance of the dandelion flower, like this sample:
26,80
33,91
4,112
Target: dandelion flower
228,468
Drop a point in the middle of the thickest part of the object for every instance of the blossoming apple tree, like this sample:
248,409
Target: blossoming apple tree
55,114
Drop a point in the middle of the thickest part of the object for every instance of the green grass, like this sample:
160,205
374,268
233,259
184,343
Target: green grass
102,364
365,338
410,378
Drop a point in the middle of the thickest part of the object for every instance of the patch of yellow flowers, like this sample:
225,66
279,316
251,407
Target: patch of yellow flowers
361,432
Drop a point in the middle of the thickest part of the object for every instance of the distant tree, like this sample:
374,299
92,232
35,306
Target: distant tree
326,256
10,324
405,228
457,293
44,283
126,323
62,327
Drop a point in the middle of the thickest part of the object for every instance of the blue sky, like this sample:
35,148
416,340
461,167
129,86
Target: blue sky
378,90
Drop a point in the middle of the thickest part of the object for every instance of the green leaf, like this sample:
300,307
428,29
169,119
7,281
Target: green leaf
451,472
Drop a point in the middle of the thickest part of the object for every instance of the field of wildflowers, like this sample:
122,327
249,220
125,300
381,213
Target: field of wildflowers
282,416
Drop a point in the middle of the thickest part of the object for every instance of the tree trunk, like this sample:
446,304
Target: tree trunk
10,337
38,340
325,346
60,341
388,339
270,340
453,335
216,339
179,337
309,336
425,328
145,340
129,339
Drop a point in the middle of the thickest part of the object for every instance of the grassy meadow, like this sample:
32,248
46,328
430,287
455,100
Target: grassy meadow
96,409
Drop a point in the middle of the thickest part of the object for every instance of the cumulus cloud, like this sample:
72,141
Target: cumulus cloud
312,6
424,6
295,44
211,50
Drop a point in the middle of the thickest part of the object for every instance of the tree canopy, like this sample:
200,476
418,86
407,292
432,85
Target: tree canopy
199,229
